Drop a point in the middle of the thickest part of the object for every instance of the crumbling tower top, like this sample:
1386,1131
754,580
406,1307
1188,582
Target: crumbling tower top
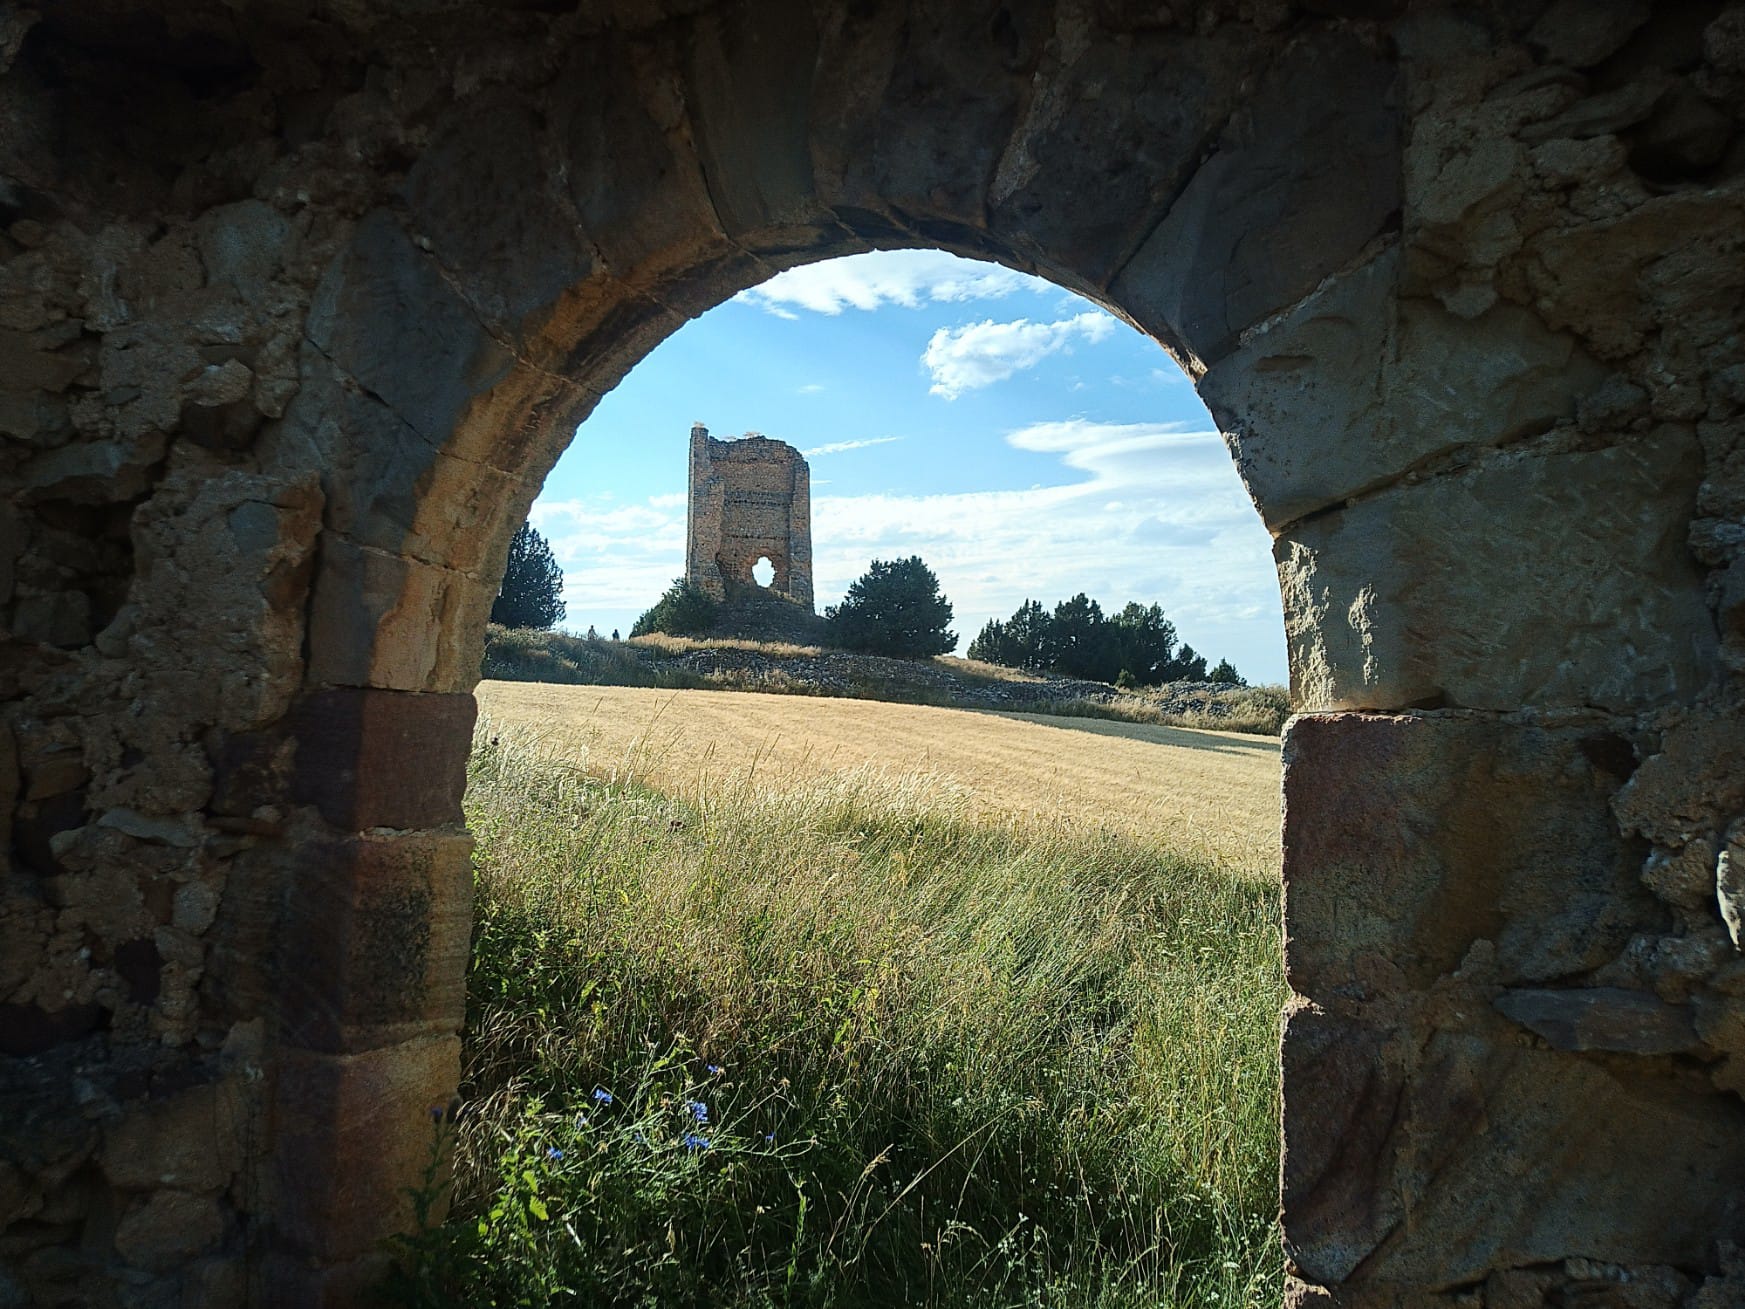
750,499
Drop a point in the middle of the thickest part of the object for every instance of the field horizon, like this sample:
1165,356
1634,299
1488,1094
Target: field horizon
1212,794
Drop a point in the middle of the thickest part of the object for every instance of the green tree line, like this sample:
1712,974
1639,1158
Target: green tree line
1136,647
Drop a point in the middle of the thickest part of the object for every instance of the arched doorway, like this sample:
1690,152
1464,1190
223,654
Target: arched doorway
326,335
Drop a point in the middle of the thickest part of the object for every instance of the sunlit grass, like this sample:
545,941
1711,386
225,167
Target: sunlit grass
940,1059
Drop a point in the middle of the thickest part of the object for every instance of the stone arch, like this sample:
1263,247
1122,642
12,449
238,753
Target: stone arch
291,364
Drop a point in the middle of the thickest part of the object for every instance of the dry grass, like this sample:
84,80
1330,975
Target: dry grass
1214,794
678,645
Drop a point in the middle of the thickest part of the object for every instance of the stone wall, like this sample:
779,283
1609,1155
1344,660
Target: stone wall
298,307
750,500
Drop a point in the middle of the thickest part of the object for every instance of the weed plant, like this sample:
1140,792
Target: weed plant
846,1046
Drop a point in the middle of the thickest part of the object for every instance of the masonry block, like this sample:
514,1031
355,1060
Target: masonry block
353,1132
371,758
378,928
1411,839
1432,1158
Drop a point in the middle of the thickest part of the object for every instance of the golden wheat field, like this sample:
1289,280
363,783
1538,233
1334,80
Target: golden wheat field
1214,793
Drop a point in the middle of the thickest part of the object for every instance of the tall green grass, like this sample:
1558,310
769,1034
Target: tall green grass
845,1046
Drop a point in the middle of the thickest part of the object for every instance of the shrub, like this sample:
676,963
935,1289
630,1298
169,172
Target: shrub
684,610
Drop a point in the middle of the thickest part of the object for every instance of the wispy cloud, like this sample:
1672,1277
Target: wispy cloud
1142,512
811,388
980,354
837,447
909,278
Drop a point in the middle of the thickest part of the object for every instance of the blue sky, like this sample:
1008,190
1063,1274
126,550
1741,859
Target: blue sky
1020,439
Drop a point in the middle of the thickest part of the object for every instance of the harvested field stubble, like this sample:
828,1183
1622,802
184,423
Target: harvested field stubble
1213,794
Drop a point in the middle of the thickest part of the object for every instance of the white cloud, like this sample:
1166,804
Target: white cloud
811,388
909,278
1155,512
837,447
980,354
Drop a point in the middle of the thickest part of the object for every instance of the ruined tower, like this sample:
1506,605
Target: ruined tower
750,499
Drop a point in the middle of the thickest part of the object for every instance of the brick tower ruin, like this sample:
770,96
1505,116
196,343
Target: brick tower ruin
750,499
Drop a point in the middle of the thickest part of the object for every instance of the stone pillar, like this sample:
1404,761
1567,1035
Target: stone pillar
375,941
703,518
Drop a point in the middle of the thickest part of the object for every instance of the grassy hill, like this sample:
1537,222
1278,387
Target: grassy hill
785,668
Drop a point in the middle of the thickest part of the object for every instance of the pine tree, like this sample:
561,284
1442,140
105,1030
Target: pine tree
532,590
894,609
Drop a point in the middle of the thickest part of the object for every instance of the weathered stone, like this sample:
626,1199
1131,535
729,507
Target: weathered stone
380,620
1465,624
381,927
637,189
243,244
1601,1018
371,758
750,499
514,260
189,1141
374,1105
163,1230
62,619
1426,1129
1177,90
1693,784
222,384
95,472
1685,136
287,1282
1550,883
163,831
1262,222
1583,32
1353,388
385,316
1730,891
1720,1021
752,126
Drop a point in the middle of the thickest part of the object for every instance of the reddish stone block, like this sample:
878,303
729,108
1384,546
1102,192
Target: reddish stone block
353,1132
1409,839
375,941
1398,1144
372,758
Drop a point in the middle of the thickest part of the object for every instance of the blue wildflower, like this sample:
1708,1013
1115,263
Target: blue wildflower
699,1110
695,1142
714,1070
554,1154
769,1136
602,1095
